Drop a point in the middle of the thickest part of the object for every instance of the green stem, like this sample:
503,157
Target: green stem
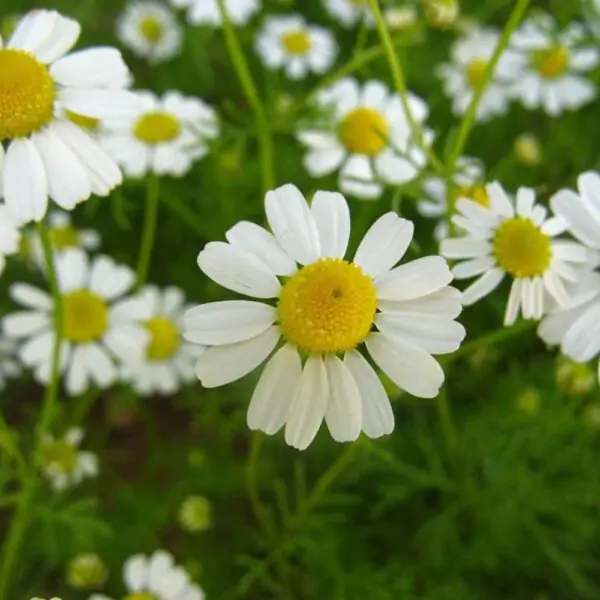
21,517
250,92
446,424
400,83
150,219
252,479
186,214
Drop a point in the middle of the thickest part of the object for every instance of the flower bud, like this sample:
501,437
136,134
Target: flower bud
86,571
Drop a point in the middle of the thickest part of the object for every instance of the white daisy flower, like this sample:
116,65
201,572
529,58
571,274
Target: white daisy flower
149,29
288,41
519,243
576,327
9,366
470,55
369,138
324,311
156,578
10,236
166,136
206,12
350,12
168,360
470,183
99,324
64,464
43,154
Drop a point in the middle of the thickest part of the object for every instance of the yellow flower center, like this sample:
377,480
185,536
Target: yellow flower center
364,131
477,193
64,237
26,94
151,29
157,127
89,123
296,42
140,596
164,338
551,63
60,455
85,316
475,70
521,249
328,306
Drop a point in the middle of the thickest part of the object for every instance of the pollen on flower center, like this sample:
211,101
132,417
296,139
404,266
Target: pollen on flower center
151,29
364,131
296,42
328,306
164,338
552,62
140,596
475,70
85,316
157,127
476,193
60,455
64,237
26,94
521,249
89,123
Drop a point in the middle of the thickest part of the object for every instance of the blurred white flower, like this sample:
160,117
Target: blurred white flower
165,136
206,12
350,12
369,138
325,310
288,41
552,66
150,30
400,17
64,464
520,243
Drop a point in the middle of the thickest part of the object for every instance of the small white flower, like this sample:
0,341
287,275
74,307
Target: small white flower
150,30
470,183
576,327
165,136
552,66
369,138
9,366
206,12
400,17
168,359
43,154
290,42
156,578
350,12
99,325
520,243
324,310
10,236
64,464
470,56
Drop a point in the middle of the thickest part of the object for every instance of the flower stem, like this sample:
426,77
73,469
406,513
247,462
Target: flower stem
250,92
21,517
150,217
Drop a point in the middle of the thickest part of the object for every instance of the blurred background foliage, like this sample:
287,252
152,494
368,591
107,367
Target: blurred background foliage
503,504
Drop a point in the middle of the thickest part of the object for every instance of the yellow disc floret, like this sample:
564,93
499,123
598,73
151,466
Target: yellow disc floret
364,131
476,193
85,316
151,29
552,62
140,596
328,306
157,127
64,237
475,70
296,42
164,338
61,456
521,249
26,94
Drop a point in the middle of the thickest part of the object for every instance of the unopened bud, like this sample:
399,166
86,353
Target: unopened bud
440,13
528,401
528,149
86,572
400,17
195,514
574,378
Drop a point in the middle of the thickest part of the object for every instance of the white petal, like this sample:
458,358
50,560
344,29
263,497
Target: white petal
135,573
322,162
101,368
514,302
465,247
99,103
473,267
159,566
332,217
476,212
582,225
110,280
582,340
72,270
90,68
30,296
446,302
500,202
589,187
24,323
483,286
525,201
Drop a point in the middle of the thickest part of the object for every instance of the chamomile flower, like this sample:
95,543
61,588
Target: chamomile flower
553,64
350,12
150,30
462,76
206,12
165,136
64,464
42,153
577,326
369,138
10,235
324,311
288,41
9,366
168,359
156,578
519,242
100,325
470,183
